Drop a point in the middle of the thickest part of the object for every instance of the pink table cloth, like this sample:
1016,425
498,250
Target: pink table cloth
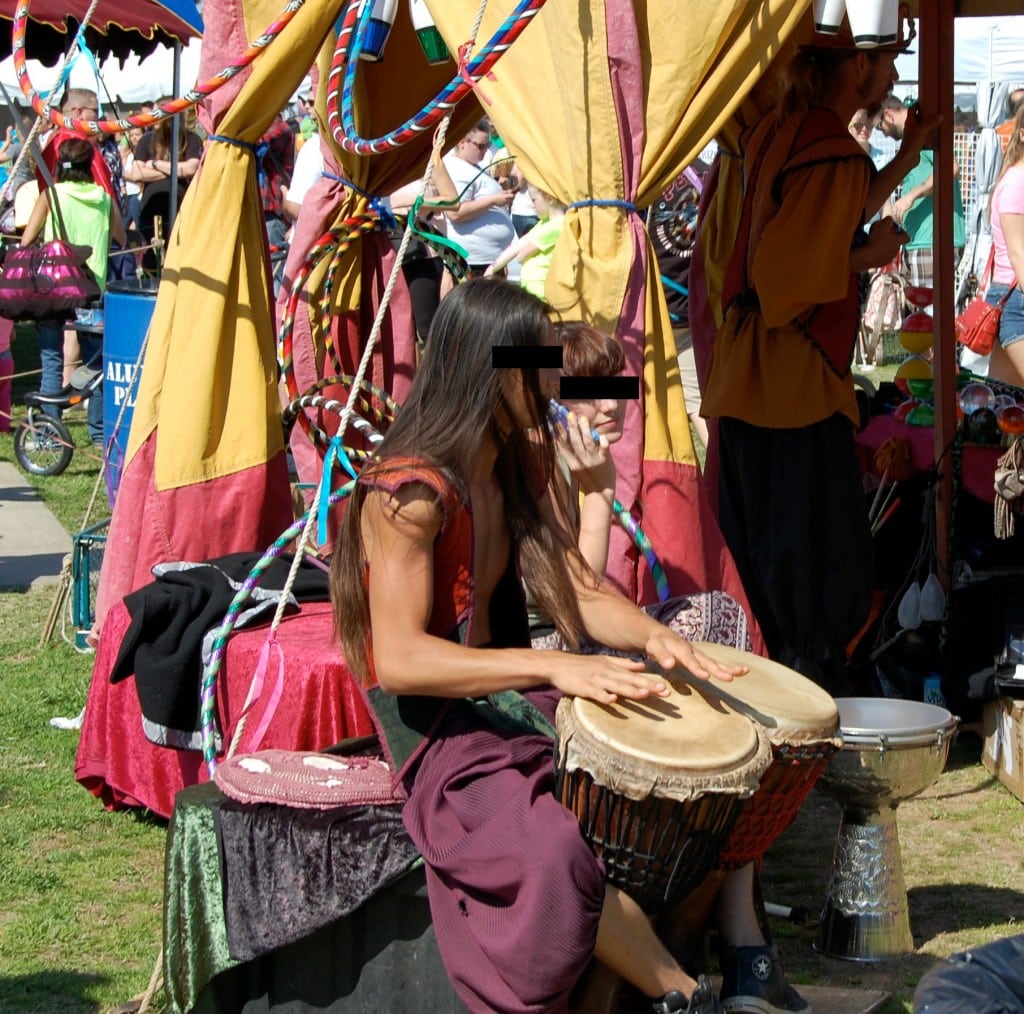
320,706
979,461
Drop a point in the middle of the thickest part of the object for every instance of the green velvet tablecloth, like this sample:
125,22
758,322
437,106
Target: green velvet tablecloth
381,957
195,934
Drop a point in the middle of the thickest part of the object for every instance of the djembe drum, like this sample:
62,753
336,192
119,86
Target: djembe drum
657,785
801,721
892,750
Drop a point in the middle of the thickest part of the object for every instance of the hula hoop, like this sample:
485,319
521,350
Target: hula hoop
320,437
558,415
345,60
350,229
191,98
208,697
368,395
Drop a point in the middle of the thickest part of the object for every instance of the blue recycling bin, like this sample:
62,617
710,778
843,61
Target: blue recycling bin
128,309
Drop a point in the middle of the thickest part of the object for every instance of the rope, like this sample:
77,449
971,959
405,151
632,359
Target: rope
364,362
594,202
218,650
163,112
156,980
314,512
26,147
375,201
1009,486
340,117
27,373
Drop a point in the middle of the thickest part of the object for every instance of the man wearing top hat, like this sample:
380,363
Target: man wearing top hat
791,501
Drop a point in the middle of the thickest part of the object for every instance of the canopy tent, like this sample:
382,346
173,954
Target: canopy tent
129,80
117,27
605,101
991,99
206,433
984,49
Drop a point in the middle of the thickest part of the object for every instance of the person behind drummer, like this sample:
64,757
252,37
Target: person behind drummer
586,465
589,475
428,607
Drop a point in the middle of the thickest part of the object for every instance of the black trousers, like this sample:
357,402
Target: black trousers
793,513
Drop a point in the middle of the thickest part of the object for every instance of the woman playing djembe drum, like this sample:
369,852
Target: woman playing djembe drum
429,609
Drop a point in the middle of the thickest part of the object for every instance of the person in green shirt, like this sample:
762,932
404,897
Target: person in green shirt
914,209
535,249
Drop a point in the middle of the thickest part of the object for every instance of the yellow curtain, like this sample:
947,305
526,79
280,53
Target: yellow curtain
608,101
554,105
209,382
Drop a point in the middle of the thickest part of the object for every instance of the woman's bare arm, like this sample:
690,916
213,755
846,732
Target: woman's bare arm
399,533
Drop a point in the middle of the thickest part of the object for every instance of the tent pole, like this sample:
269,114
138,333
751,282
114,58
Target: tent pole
936,75
172,209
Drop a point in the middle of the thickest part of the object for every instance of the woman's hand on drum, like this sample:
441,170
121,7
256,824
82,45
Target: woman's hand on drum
669,650
601,678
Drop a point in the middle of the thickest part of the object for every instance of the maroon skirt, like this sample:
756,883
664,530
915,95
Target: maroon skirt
515,891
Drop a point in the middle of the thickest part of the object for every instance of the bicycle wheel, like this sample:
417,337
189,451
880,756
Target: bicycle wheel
43,446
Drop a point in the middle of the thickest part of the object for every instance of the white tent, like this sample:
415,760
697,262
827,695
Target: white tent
985,49
137,80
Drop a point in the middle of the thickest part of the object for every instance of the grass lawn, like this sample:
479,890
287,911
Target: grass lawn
80,888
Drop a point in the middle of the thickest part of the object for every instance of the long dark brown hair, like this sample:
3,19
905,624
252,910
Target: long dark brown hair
162,138
456,397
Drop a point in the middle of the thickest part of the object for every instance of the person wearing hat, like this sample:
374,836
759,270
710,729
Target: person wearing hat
791,504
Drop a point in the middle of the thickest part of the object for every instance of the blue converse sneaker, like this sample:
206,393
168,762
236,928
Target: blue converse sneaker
702,1000
753,983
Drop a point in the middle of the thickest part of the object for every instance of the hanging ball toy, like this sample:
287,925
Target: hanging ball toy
982,426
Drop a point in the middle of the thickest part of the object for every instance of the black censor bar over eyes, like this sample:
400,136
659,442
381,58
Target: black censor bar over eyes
598,388
526,357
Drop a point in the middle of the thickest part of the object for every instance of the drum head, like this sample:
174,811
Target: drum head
674,747
792,708
902,723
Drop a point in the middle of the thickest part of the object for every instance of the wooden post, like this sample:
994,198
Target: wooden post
935,36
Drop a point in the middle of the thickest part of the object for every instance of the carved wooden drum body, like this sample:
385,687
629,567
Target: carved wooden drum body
657,785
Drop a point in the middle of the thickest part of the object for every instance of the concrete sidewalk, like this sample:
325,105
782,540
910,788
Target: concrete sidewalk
33,543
